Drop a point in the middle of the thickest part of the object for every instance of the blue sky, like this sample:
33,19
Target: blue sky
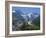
27,10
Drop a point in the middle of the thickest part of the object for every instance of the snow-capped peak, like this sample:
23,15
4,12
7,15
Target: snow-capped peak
29,14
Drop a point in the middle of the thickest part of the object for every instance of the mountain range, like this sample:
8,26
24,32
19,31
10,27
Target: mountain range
22,16
20,19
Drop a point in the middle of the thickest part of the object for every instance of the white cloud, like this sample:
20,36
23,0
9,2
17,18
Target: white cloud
13,11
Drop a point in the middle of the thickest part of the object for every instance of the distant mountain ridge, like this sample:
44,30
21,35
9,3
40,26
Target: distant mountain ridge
22,16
